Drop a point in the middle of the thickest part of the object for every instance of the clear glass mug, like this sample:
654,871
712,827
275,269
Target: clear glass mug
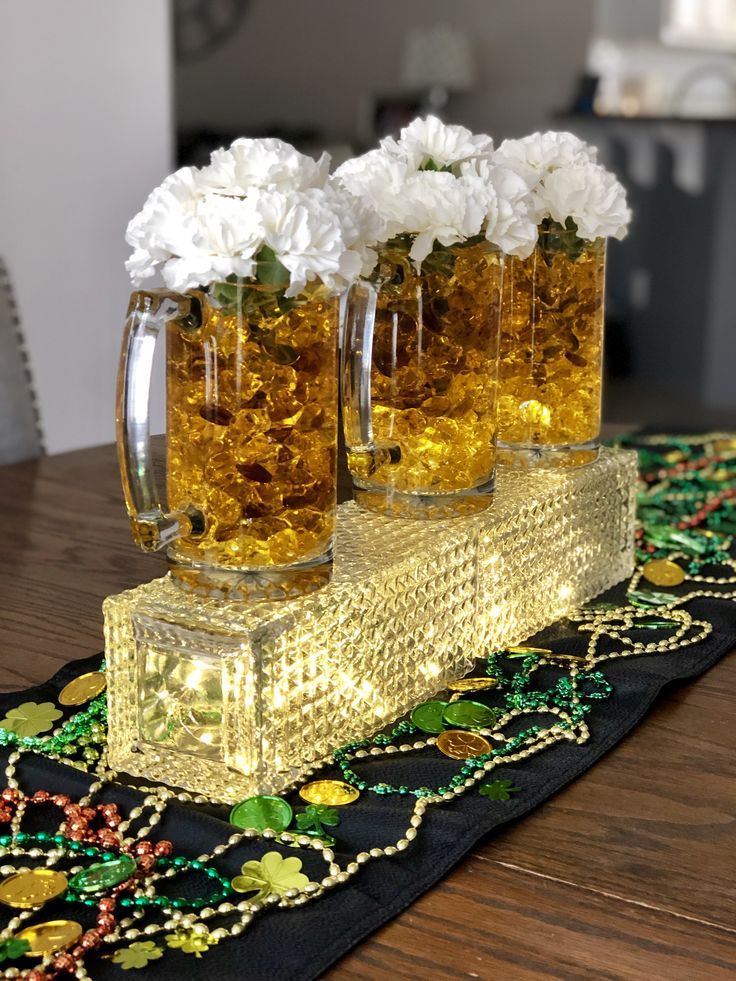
251,442
419,375
551,359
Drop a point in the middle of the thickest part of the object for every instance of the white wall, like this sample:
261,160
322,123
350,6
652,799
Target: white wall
312,63
85,104
631,20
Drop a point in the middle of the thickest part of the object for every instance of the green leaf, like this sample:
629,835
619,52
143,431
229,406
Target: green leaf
556,239
269,271
430,164
498,790
12,948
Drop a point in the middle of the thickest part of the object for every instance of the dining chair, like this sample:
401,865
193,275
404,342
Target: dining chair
20,429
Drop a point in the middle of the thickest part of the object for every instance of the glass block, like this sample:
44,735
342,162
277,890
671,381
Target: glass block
231,699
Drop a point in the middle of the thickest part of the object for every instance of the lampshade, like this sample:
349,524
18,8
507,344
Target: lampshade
439,56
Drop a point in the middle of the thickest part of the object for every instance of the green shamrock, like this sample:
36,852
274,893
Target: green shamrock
315,817
12,948
31,718
272,874
191,942
137,955
499,790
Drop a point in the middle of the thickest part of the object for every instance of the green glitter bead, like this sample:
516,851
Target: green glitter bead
104,875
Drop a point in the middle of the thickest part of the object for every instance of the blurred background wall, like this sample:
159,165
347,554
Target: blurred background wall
99,100
316,65
87,130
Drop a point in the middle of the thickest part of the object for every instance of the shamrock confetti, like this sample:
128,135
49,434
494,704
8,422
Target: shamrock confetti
31,718
137,955
315,818
272,874
191,942
12,948
498,790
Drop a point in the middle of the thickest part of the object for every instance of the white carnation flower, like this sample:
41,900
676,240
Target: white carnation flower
430,141
362,226
377,180
199,227
166,225
508,223
592,197
436,206
265,163
192,238
306,235
229,232
536,155
430,205
555,168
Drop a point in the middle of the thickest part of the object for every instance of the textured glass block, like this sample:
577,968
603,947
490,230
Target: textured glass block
230,699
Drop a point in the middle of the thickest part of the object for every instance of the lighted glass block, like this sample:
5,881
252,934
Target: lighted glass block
230,700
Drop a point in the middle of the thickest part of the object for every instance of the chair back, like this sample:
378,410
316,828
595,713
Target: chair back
20,430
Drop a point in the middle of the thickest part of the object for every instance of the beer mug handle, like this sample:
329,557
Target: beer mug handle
153,528
357,359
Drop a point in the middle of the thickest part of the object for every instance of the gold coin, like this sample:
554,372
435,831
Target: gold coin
47,938
83,689
566,657
333,792
25,890
460,745
663,572
472,684
528,650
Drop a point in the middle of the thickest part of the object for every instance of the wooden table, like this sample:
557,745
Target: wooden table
628,873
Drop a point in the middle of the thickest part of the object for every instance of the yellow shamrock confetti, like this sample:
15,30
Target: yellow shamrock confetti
272,874
191,942
31,718
137,955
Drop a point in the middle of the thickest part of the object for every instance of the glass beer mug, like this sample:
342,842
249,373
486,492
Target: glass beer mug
551,362
420,366
251,442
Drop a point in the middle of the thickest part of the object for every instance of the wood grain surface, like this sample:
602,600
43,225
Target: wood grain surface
629,873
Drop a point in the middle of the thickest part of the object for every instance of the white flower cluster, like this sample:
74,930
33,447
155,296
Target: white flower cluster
565,181
440,183
203,225
436,183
